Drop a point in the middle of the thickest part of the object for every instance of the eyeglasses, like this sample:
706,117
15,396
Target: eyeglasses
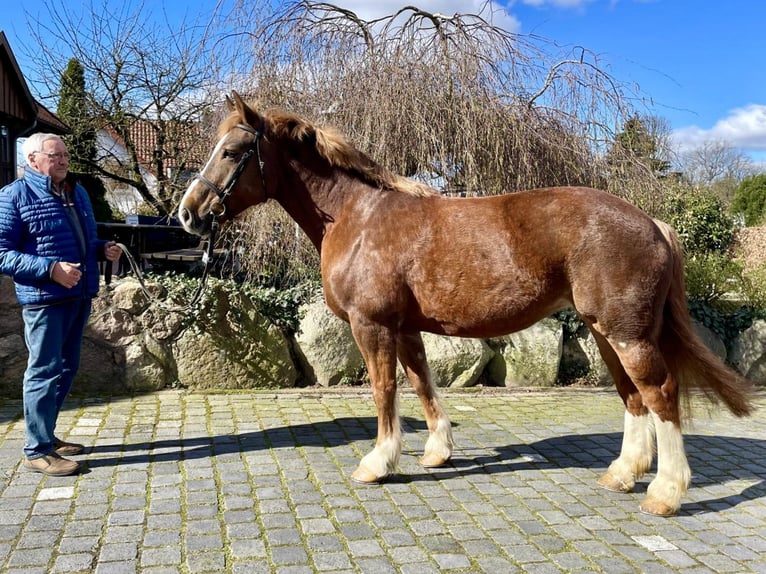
58,156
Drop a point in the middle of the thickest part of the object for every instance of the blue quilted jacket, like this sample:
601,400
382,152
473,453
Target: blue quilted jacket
35,233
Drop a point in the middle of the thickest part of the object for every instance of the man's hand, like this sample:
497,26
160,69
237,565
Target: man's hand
66,274
112,251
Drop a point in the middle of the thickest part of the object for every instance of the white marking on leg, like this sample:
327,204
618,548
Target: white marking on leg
673,472
636,453
440,443
384,458
638,443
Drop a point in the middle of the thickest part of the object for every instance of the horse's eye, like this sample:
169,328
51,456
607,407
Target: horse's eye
228,154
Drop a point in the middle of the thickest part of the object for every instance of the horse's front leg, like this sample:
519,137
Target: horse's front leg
412,355
378,346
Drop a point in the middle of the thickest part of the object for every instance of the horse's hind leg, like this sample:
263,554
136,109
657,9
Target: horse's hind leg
378,346
438,449
645,366
638,437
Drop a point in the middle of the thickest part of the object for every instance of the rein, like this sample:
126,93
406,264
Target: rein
223,194
207,257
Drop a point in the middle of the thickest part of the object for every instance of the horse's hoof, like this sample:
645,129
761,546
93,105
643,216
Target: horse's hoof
614,484
433,461
656,508
363,476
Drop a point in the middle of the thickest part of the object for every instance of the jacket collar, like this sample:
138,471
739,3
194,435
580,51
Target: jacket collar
40,184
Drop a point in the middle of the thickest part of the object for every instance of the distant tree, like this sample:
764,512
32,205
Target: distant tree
470,107
637,141
718,165
637,164
143,78
73,110
750,199
81,143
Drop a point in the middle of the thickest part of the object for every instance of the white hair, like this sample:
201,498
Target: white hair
35,143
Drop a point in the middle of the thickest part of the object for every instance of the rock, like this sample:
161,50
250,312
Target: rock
143,372
455,361
325,347
233,347
711,340
529,357
748,353
128,296
581,360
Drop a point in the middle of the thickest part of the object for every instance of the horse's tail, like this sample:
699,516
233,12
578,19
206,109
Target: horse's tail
692,364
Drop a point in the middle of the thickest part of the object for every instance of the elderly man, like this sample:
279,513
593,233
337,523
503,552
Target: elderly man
48,244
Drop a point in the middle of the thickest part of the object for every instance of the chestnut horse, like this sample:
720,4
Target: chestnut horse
397,259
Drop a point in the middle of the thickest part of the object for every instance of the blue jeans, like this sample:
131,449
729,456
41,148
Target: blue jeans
53,335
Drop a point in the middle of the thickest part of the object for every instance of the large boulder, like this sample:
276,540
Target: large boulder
748,354
529,357
455,361
325,347
329,354
711,340
581,360
232,346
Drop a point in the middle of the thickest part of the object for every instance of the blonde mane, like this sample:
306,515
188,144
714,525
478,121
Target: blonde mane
333,147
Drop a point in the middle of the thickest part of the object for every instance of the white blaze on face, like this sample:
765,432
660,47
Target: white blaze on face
213,154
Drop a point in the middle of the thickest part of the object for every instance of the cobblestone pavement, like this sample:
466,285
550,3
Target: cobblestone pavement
259,482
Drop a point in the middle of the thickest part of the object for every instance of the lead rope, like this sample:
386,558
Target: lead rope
207,258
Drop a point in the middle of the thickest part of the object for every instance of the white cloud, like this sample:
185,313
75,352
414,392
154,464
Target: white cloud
743,128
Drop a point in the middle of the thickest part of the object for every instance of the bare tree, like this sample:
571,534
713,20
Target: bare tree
714,160
149,83
454,100
718,165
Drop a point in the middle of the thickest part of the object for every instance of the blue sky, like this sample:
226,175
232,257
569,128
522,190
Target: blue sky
701,62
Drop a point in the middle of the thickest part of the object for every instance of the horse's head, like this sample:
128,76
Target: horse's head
232,179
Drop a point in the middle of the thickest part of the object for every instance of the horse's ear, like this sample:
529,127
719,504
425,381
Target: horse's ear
229,104
248,115
236,100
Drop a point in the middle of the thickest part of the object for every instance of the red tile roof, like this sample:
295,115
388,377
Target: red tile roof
184,146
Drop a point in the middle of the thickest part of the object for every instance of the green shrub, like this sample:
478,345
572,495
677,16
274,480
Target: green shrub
750,199
754,288
700,219
711,276
722,296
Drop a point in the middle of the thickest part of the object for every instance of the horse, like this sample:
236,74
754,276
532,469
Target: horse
398,258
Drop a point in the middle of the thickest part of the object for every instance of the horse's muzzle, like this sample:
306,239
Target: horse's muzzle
192,223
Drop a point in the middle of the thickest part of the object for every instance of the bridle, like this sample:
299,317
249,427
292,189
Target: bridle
219,209
215,214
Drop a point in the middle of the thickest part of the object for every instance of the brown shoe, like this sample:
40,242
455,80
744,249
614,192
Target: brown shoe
66,448
52,465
